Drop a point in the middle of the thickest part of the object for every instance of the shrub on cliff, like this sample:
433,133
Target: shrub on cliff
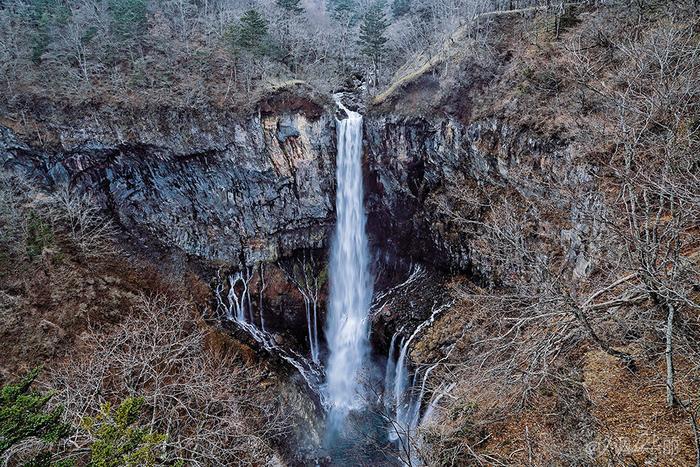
32,431
33,222
118,440
215,409
28,426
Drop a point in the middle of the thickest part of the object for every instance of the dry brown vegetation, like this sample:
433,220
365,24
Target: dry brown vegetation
109,326
571,353
130,54
215,408
633,425
61,271
581,348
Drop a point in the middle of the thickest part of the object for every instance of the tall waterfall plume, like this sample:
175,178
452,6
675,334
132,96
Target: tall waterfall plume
350,279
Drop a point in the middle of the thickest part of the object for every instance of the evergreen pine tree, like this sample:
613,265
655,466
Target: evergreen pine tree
400,7
119,441
373,36
129,19
43,15
252,33
342,10
24,414
291,6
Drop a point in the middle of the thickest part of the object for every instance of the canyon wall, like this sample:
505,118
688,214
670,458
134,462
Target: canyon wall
223,189
232,191
422,171
216,187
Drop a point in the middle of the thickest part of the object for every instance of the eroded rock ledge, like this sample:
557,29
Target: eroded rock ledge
226,190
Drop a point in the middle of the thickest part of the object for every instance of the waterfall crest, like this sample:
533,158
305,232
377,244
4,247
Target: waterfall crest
350,280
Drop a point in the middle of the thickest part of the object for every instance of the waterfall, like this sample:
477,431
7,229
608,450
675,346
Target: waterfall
403,396
389,371
262,291
239,304
350,281
234,306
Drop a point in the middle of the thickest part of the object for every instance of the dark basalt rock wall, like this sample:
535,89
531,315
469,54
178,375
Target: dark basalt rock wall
415,166
215,188
229,191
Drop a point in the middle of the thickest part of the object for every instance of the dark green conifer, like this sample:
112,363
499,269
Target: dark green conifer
373,36
400,7
129,18
291,6
252,34
24,414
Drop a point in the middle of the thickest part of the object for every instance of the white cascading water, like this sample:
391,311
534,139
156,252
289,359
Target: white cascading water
403,399
350,280
239,308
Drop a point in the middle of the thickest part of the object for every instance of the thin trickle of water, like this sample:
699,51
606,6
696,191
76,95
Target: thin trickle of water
312,326
350,280
401,374
439,394
389,371
416,404
262,291
317,357
235,307
405,401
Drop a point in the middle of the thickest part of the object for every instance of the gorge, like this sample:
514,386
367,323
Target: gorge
279,238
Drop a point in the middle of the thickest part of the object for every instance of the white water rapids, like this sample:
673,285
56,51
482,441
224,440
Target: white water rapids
350,280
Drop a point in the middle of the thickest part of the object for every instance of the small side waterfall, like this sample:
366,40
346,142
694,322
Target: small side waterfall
237,305
350,280
390,370
240,304
403,395
305,277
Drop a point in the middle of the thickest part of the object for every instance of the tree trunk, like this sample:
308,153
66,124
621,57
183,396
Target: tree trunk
375,64
626,358
696,435
670,390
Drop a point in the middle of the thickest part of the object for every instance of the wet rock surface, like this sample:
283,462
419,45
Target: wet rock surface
239,192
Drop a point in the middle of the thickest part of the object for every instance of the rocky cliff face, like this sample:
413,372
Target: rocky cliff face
225,190
231,191
215,187
420,169
241,192
237,192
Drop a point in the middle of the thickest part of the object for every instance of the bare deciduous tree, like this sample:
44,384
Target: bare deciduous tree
655,101
213,407
86,226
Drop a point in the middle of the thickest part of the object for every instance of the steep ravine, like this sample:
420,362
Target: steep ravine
234,191
213,190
